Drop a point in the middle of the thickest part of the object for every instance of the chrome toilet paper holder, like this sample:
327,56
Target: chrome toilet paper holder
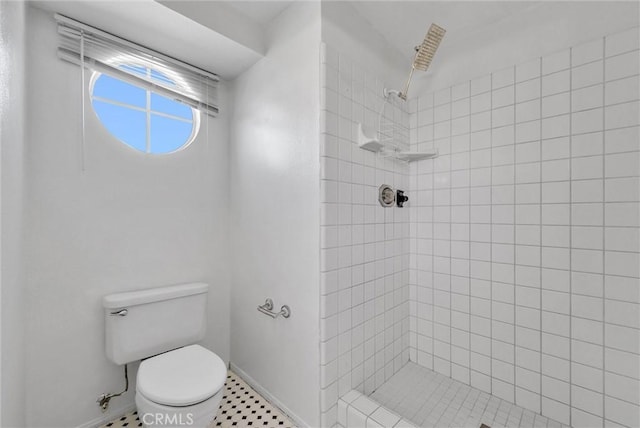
267,309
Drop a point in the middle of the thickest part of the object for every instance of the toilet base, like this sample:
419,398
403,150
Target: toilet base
198,415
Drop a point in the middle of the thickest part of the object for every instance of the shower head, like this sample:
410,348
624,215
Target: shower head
424,54
426,51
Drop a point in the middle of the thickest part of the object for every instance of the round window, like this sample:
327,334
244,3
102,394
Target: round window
140,118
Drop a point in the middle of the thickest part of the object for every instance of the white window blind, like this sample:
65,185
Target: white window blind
90,47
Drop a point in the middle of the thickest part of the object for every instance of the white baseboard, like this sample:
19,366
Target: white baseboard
266,394
107,417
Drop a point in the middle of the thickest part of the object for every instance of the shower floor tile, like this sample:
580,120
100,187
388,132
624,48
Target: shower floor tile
430,399
241,406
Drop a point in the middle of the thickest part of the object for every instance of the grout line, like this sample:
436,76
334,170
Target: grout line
515,378
433,276
469,232
491,236
540,227
449,223
571,235
604,270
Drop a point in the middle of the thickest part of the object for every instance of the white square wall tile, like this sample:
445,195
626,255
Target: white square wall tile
587,98
502,78
556,148
620,66
555,105
555,410
527,111
623,90
622,338
481,84
528,91
441,97
587,74
462,90
622,363
622,189
502,97
622,239
528,70
587,52
384,417
355,418
586,399
587,167
622,412
556,62
587,144
587,121
622,313
556,83
556,126
622,140
623,42
622,115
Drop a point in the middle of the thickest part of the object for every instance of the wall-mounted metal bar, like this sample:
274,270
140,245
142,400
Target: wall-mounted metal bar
267,309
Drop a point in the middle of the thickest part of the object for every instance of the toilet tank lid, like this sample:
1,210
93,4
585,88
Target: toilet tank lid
150,295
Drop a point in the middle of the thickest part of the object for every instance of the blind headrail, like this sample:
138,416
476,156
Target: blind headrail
69,22
75,58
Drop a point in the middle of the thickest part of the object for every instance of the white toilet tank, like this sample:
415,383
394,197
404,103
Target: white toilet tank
140,324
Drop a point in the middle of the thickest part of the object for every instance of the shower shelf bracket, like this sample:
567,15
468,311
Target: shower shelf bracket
368,140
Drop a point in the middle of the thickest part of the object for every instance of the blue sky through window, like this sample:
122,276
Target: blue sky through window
143,120
127,125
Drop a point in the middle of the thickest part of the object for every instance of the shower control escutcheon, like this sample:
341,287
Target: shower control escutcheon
386,196
401,198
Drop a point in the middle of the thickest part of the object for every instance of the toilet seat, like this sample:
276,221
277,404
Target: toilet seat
181,377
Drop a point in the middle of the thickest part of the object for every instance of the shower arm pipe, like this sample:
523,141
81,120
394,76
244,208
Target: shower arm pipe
403,94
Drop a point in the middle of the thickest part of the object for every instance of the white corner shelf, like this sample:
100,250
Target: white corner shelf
415,156
368,140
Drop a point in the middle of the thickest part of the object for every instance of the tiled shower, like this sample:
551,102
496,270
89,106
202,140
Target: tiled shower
514,268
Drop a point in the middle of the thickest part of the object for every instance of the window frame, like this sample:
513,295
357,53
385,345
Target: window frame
195,129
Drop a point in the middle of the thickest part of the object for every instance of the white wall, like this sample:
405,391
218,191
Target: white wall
526,252
127,222
12,40
275,213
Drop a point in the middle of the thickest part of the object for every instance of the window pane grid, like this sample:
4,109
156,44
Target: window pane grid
132,107
164,121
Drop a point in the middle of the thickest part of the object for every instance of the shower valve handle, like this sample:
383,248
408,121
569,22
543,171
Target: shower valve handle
401,198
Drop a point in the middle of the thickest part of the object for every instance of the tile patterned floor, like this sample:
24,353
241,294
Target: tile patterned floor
429,399
241,406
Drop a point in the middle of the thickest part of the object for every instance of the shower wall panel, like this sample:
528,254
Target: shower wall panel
525,233
365,248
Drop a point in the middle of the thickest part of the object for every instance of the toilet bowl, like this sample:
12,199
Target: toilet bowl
180,388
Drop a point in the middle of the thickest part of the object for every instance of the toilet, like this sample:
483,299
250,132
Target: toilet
179,382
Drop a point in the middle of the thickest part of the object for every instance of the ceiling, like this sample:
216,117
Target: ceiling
261,12
404,23
180,34
236,29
